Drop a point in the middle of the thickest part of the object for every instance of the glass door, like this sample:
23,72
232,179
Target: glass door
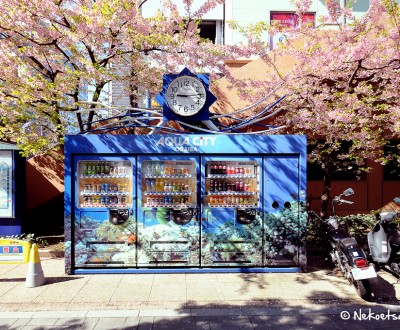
104,216
231,221
168,226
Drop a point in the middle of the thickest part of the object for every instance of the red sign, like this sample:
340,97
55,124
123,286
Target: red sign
290,20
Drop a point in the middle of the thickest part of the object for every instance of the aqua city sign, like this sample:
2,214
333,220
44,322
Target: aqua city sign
190,143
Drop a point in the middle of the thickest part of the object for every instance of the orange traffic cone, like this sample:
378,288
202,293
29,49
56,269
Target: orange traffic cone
35,276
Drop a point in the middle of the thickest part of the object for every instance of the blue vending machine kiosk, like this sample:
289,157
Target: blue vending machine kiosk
185,203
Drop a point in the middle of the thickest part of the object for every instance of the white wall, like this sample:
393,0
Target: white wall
251,11
151,7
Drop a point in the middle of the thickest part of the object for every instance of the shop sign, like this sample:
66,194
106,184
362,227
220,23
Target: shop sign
288,20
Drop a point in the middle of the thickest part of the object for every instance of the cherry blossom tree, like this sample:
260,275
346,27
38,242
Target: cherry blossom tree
55,54
343,91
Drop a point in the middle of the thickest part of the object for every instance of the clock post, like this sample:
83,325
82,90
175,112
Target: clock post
186,98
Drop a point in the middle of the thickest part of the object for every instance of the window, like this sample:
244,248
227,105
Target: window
6,184
212,30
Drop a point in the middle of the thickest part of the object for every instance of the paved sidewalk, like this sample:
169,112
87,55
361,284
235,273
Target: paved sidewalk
314,300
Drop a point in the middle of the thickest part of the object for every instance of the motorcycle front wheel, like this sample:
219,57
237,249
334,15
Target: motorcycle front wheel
363,288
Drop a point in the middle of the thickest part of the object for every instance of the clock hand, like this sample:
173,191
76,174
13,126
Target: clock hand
187,95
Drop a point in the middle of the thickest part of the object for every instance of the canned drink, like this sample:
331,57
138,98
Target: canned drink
123,199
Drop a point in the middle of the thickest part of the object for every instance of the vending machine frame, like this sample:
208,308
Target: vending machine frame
255,222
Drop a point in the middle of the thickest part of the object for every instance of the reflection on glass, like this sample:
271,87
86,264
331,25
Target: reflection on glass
232,184
168,183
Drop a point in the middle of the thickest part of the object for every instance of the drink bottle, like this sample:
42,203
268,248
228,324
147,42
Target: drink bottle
89,168
224,169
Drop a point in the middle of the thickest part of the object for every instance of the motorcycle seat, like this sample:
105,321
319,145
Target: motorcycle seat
349,241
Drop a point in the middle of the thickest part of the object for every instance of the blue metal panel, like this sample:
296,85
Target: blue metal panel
284,220
186,144
187,270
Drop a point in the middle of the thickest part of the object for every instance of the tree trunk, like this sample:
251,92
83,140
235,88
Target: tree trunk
326,190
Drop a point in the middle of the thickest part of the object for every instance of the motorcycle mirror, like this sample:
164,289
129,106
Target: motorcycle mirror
397,200
348,192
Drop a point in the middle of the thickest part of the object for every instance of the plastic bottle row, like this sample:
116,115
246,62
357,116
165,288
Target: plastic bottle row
104,201
105,188
167,201
224,185
161,185
231,200
102,169
162,170
224,169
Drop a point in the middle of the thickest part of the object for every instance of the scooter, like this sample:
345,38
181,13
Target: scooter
384,241
345,252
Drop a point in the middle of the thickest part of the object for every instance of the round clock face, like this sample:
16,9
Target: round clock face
186,95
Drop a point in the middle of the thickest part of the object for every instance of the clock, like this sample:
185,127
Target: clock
186,95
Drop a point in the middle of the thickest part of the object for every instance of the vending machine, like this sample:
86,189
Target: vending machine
184,203
104,191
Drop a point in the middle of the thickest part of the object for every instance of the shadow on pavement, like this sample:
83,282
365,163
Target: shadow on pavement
49,280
